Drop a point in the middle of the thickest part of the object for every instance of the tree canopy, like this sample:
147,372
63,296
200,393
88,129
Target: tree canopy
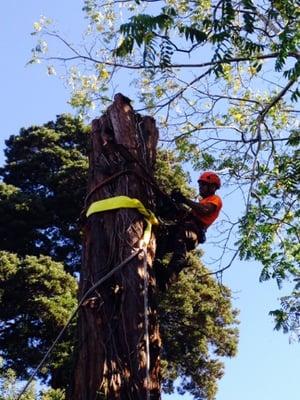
50,162
37,296
221,78
39,211
9,388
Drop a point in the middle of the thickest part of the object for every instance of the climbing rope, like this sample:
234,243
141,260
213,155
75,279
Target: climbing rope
146,315
130,158
105,182
127,202
99,206
87,293
150,182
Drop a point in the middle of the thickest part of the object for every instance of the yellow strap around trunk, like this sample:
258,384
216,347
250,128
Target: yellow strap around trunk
114,203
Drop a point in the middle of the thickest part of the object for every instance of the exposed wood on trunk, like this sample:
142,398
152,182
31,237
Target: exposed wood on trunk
111,353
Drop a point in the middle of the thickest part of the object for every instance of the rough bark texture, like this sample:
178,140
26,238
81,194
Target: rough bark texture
111,351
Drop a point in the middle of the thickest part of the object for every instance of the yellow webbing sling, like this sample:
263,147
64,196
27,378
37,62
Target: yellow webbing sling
114,203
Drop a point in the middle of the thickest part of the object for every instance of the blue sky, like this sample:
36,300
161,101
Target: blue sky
267,366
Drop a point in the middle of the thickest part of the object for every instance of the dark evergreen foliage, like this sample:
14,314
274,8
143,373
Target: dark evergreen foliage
42,195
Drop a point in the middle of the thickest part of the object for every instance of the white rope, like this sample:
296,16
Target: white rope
147,341
87,293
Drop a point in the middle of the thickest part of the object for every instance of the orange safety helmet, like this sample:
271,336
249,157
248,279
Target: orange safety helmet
210,177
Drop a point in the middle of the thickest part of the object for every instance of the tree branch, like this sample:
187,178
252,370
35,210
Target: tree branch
276,99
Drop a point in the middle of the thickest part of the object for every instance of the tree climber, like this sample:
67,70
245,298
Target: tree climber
189,231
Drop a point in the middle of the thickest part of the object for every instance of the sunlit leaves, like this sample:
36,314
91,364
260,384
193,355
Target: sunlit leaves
86,88
270,229
221,81
41,23
10,388
289,36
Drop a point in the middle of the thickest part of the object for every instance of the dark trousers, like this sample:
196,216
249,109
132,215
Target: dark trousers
178,240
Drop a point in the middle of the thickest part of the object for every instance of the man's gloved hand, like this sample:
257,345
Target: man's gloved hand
177,196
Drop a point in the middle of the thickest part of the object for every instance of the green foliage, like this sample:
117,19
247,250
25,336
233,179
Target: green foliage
221,76
198,327
141,31
53,394
231,26
10,388
37,297
37,294
289,37
8,385
270,229
44,184
288,317
142,24
270,232
193,34
169,173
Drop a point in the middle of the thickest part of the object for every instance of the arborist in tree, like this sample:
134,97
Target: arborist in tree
189,231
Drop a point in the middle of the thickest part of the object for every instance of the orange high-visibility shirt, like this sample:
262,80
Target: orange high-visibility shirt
207,220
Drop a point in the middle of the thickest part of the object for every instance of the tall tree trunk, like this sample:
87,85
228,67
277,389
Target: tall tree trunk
111,350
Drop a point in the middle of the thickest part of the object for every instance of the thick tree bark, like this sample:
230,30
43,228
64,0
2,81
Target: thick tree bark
111,350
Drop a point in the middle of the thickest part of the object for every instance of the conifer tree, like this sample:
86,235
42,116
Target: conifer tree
42,245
